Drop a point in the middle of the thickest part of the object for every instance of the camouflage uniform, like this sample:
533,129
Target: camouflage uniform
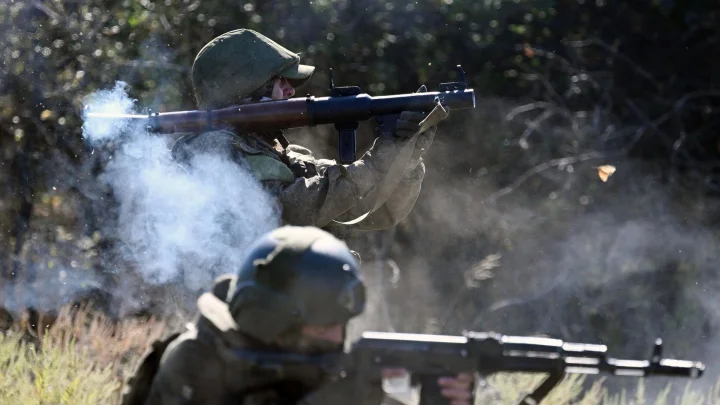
319,192
198,368
384,183
311,279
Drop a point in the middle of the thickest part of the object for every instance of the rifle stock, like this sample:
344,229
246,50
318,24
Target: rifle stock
345,107
428,356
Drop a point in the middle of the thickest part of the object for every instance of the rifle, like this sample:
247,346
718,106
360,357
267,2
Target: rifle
345,107
427,357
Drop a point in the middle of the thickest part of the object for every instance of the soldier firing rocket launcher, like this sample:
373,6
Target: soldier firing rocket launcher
345,107
428,357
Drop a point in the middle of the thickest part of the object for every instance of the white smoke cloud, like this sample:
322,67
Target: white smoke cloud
49,290
115,101
176,224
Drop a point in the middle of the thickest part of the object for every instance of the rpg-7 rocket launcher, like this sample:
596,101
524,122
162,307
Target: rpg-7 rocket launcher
428,357
345,107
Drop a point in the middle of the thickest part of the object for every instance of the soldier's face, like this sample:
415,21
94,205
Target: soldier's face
334,333
317,339
282,90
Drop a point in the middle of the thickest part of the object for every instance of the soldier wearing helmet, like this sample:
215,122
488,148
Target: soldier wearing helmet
244,66
295,293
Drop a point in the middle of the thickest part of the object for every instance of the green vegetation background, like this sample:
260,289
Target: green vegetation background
513,231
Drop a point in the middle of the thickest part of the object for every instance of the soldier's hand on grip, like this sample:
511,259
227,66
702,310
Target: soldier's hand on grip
409,121
408,124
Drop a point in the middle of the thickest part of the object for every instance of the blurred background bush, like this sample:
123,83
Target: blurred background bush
513,231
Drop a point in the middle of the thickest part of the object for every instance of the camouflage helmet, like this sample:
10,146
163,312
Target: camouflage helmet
230,67
295,276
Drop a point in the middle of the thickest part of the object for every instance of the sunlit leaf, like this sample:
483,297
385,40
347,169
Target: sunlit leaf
529,52
605,171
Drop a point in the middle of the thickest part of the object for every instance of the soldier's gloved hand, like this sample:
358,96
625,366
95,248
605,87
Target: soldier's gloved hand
458,390
409,121
408,124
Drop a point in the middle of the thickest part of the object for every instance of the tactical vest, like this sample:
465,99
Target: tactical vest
258,157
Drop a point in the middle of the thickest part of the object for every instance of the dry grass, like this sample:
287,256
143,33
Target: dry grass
85,358
508,389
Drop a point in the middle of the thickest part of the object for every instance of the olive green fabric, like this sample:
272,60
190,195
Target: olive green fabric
193,372
418,130
267,168
230,67
256,156
201,367
321,190
137,389
291,277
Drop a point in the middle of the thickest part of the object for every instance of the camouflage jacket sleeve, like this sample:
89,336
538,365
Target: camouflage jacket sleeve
344,192
396,207
190,374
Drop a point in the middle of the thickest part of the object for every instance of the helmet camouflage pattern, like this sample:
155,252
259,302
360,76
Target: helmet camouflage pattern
230,67
295,276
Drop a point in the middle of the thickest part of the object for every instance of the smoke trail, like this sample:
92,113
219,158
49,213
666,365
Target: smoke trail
61,285
175,224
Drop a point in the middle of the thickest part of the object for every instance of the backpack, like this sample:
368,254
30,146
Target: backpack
137,389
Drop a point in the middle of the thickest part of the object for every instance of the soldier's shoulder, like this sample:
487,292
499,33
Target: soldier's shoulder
182,340
193,365
188,350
